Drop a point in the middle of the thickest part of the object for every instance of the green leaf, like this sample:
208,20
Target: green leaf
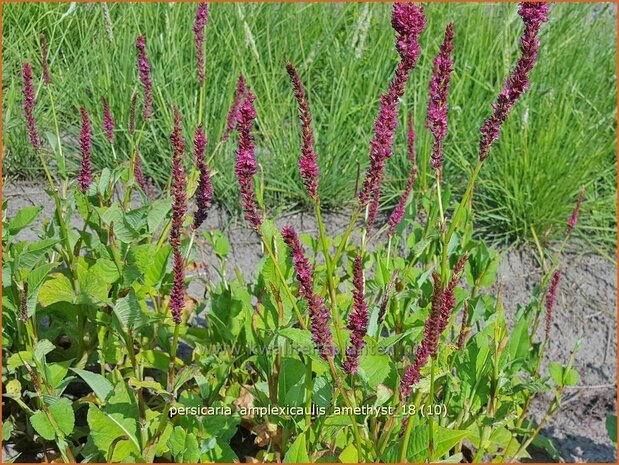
100,386
106,270
571,378
611,427
42,348
57,289
7,429
157,212
374,369
23,218
556,372
297,453
156,269
545,443
42,425
129,312
107,430
447,438
62,414
349,454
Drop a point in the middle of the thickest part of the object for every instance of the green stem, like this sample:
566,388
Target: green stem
431,419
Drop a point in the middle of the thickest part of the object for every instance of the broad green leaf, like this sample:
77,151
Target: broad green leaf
42,425
113,429
129,312
63,416
374,369
156,269
99,384
57,289
23,218
297,453
106,270
157,212
349,454
556,373
42,348
447,438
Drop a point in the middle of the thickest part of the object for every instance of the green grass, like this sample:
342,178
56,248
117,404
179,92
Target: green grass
559,136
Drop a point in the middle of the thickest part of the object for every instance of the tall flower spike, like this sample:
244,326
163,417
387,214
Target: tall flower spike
408,21
318,312
179,208
308,164
571,223
551,298
246,166
132,105
145,183
84,179
436,120
147,83
198,30
233,114
398,212
108,121
204,193
533,15
46,76
358,319
29,103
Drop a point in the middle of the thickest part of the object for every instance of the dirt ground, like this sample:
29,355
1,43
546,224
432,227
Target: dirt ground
585,310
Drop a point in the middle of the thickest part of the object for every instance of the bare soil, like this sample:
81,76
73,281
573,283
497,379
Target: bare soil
586,310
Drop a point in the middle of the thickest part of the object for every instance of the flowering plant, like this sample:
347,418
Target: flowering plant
344,348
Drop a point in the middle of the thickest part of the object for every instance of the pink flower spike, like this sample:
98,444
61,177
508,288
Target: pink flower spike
84,179
533,15
233,114
308,164
144,72
318,312
29,103
358,320
436,120
204,193
198,30
551,298
573,220
246,166
108,121
46,76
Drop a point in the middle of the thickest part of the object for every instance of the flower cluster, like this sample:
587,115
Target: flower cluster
551,298
84,179
436,120
46,76
145,183
308,164
179,208
318,312
147,83
246,161
198,30
571,222
533,15
408,21
108,121
29,103
398,212
358,319
233,114
443,302
204,193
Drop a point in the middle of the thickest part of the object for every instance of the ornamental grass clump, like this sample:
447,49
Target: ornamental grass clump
385,344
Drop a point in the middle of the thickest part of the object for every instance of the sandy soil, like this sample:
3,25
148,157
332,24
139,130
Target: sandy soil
585,310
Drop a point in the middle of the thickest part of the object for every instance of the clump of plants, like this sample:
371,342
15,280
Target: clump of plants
387,343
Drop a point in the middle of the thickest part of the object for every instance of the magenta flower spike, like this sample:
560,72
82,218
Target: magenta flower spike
198,30
84,179
179,208
573,220
108,121
145,79
551,298
308,163
398,212
246,166
204,193
145,183
233,114
358,320
436,120
29,103
408,20
46,76
533,15
318,311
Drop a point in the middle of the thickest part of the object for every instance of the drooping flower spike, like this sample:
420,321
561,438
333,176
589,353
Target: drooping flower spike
318,312
436,120
308,164
551,297
408,21
246,166
145,78
29,103
108,121
573,220
84,179
198,30
358,320
179,208
204,193
145,183
233,114
533,15
398,212
46,76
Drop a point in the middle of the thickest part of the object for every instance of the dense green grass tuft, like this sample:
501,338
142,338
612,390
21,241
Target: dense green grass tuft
560,135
